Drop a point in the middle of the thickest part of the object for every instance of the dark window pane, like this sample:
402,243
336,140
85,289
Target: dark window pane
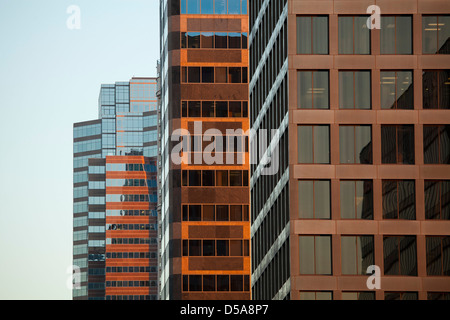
222,178
221,109
222,213
236,248
183,40
223,282
208,178
236,213
222,248
185,283
208,109
195,213
234,74
194,74
404,34
304,35
406,200
195,283
244,40
184,109
207,39
195,248
235,178
194,109
208,74
345,28
221,40
408,256
236,283
195,178
434,256
429,34
405,140
388,144
362,35
391,256
221,75
444,34
405,90
235,109
209,283
234,40
209,248
208,213
185,213
193,39
186,248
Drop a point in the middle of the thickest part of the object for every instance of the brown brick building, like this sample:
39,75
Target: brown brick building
364,122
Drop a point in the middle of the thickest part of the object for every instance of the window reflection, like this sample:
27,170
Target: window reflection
436,34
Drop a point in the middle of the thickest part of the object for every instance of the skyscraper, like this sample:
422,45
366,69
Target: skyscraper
115,195
205,245
361,104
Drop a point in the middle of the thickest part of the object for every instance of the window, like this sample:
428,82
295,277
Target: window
223,283
361,295
355,144
400,255
209,283
354,90
437,199
314,199
400,296
312,35
436,89
193,40
397,144
316,295
399,199
195,283
313,90
438,256
396,35
435,34
357,254
438,295
313,144
436,144
359,43
315,255
397,91
356,199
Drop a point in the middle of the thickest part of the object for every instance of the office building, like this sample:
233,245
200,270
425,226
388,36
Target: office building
205,245
115,246
361,104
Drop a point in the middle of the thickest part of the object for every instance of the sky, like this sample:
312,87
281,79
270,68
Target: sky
50,77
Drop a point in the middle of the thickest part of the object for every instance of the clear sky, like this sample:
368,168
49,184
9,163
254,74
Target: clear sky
50,77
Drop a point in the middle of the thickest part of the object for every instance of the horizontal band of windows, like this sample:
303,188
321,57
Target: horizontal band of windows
213,7
215,212
127,269
150,297
214,109
131,241
151,183
130,167
151,226
211,178
214,75
131,255
216,283
218,248
119,284
214,40
131,213
131,198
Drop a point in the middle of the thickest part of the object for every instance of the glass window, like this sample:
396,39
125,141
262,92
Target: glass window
359,43
236,213
234,75
209,213
362,295
438,296
207,6
400,296
195,213
209,283
222,213
397,91
222,248
234,40
312,35
316,295
357,254
400,255
435,34
396,35
313,144
195,282
436,89
313,90
194,109
221,109
193,6
209,248
195,248
399,199
194,74
221,75
314,199
437,199
356,199
438,256
397,144
208,178
193,39
221,40
223,281
208,109
355,90
355,144
195,178
315,255
236,178
234,6
207,74
436,144
207,39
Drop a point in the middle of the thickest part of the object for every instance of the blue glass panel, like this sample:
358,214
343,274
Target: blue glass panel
234,6
193,7
220,7
244,6
183,7
207,6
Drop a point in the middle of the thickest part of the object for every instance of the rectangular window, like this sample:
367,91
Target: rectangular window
397,144
207,6
437,199
397,90
436,34
313,89
357,254
436,144
355,144
313,144
436,89
356,199
400,255
354,36
399,199
315,255
312,35
355,90
314,199
193,40
438,296
401,296
438,256
316,295
361,295
396,35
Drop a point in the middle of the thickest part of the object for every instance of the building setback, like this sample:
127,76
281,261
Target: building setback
364,144
115,246
205,245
